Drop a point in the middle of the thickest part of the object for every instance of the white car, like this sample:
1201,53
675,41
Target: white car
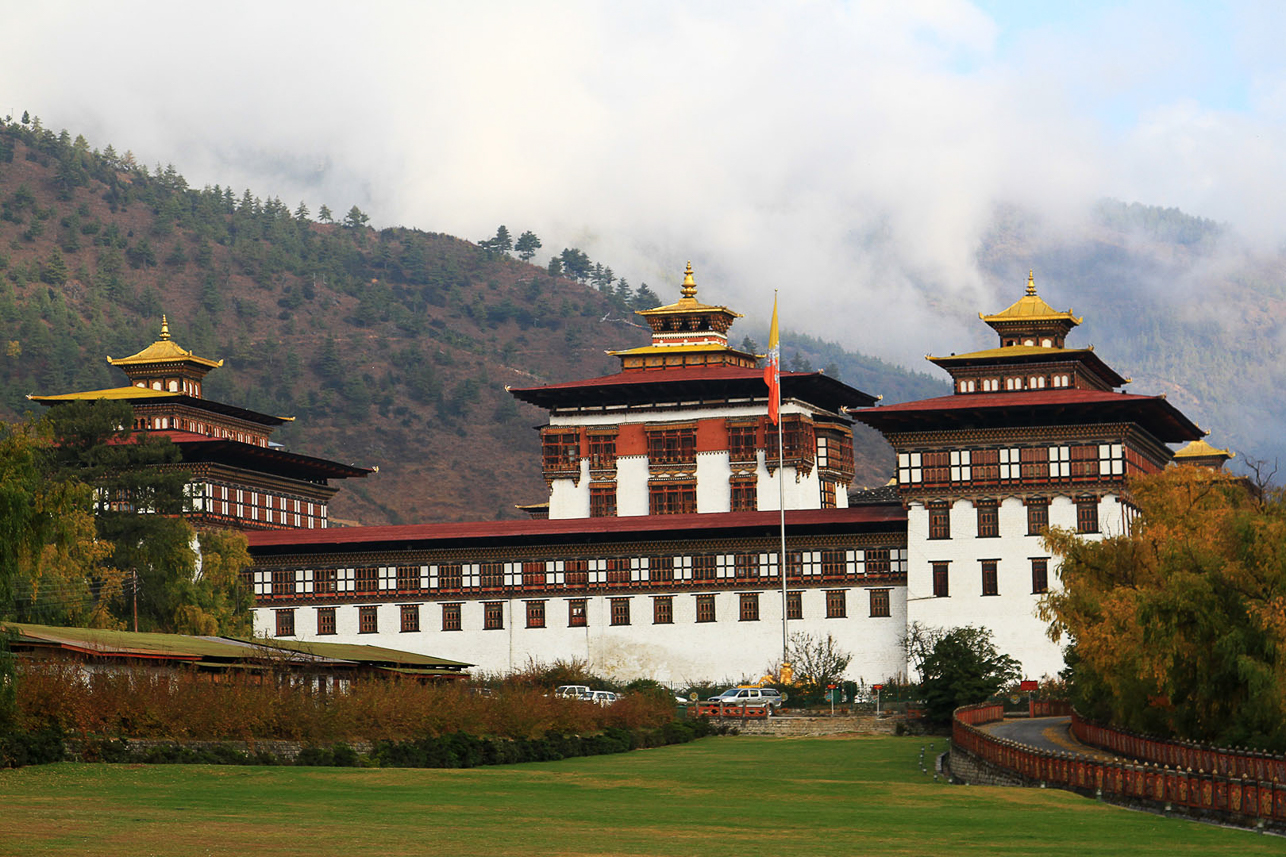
572,691
601,697
750,696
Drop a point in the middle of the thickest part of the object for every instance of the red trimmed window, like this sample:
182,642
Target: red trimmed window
741,443
577,615
620,611
939,521
602,500
367,580
988,519
705,608
450,576
663,610
410,618
1087,514
283,582
879,602
618,570
493,615
533,575
1039,576
408,578
561,450
749,607
451,617
672,498
285,623
368,621
602,451
703,567
672,446
990,584
661,568
877,561
576,572
325,621
795,605
941,580
834,564
535,614
1037,516
836,604
746,566
325,581
828,493
745,495
491,575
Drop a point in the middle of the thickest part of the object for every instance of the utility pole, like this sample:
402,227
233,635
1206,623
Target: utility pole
136,601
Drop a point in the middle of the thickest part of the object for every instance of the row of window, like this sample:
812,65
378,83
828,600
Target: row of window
988,512
990,577
214,499
1012,464
828,564
1013,382
493,613
677,445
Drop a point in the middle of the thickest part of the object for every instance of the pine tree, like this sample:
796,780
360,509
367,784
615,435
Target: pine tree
527,245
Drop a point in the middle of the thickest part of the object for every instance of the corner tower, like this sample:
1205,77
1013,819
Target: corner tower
1034,435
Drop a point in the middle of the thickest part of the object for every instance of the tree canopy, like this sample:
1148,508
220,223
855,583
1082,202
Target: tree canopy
961,666
1178,628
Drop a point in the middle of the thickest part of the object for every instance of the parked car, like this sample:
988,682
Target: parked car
572,691
601,697
750,696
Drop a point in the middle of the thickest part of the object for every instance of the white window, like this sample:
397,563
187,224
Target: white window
960,469
1111,459
1060,461
1009,468
1013,383
968,386
990,385
174,386
1047,343
1029,342
909,468
156,385
821,452
1036,382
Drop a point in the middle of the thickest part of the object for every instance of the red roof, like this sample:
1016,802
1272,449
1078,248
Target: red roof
201,448
692,382
1034,407
879,518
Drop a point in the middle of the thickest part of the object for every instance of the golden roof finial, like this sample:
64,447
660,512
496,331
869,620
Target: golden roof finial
1031,283
689,289
165,328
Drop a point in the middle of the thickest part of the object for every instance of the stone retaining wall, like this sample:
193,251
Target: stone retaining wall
798,726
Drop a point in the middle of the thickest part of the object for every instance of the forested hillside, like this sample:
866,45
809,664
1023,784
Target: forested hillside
391,347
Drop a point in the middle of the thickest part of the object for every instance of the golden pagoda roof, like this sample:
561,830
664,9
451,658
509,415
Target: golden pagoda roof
164,350
1201,449
1030,307
703,348
1014,351
687,304
111,394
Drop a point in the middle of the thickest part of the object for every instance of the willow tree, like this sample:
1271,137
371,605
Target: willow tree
1179,627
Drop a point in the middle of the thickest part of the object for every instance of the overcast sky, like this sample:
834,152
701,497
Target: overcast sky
849,154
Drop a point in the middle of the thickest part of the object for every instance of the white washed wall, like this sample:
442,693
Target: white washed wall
680,653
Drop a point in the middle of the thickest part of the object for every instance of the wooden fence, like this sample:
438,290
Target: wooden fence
1239,786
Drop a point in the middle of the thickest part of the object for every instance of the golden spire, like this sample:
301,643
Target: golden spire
165,328
1031,283
689,289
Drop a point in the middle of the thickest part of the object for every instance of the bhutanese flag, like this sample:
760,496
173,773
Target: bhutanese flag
772,371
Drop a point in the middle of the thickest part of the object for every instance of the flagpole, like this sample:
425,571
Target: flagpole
772,376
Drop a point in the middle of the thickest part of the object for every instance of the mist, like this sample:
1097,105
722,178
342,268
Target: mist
850,155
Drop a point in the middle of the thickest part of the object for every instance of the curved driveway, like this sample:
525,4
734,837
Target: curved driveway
1044,733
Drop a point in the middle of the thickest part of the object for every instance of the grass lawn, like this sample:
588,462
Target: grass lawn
738,795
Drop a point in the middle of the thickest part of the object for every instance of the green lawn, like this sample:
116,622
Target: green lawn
735,795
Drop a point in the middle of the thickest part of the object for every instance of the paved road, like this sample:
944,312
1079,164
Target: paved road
1044,733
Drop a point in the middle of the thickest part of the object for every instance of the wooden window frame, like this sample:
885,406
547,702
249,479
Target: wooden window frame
880,603
576,573
672,497
578,613
283,582
836,603
493,615
366,580
748,606
451,576
1039,576
1037,516
491,575
535,614
409,618
325,581
743,495
620,611
368,620
941,579
990,577
451,617
660,569
794,604
705,567
988,519
746,566
939,520
706,611
743,443
879,561
325,621
663,610
672,445
1087,515
829,498
285,623
602,451
408,578
602,500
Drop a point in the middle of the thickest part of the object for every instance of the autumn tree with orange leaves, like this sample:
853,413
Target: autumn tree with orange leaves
1179,628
